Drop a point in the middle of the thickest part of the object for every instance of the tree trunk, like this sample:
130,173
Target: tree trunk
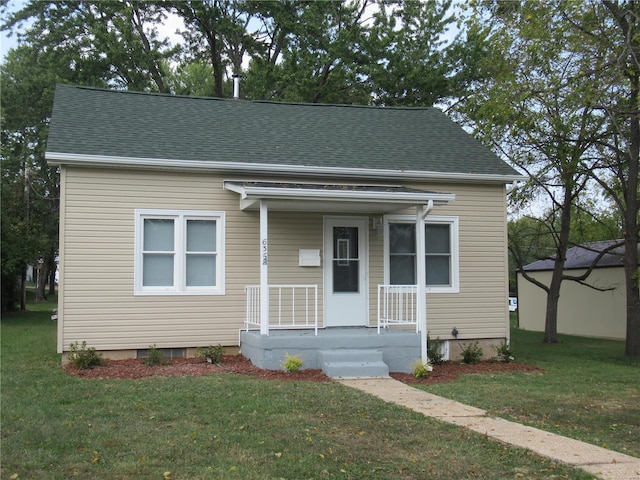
52,278
41,283
553,295
631,270
23,290
216,64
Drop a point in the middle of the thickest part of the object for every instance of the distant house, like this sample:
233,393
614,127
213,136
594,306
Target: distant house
274,227
582,310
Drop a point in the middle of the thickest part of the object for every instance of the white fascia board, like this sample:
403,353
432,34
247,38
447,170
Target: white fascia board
337,195
60,158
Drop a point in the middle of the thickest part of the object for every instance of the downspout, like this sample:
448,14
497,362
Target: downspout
421,276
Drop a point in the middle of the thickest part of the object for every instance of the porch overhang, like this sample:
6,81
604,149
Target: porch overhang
288,196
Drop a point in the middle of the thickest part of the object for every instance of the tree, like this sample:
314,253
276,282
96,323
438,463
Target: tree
415,65
315,52
216,32
565,95
101,42
611,32
532,238
29,187
539,117
86,43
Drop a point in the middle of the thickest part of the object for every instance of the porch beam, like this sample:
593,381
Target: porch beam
264,268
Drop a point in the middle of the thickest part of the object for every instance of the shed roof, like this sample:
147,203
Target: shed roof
91,123
582,256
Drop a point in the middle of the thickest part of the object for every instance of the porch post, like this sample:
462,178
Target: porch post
421,273
264,269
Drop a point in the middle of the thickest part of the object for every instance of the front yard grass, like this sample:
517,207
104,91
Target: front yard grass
588,391
226,426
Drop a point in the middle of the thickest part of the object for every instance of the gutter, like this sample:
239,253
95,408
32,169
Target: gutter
61,158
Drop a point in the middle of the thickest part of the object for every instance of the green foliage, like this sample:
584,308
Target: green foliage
211,353
471,353
156,357
292,363
561,103
421,369
83,357
29,191
434,350
504,352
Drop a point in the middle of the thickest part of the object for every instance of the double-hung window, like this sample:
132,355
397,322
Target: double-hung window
179,252
441,252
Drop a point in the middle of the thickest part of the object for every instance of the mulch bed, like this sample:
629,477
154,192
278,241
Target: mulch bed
132,368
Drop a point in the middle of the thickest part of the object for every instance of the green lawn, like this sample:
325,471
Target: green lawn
55,426
588,391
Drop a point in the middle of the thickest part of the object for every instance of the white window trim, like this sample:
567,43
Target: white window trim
455,251
179,280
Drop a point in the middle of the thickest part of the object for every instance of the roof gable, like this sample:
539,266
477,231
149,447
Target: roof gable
96,122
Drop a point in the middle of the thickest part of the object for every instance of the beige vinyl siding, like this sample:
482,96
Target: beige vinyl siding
98,255
97,301
480,309
581,310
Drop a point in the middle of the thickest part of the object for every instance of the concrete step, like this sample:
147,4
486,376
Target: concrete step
347,363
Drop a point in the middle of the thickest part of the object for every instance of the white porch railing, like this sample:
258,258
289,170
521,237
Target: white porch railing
290,306
397,305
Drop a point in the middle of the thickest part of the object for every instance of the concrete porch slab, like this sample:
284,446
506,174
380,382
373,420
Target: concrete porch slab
400,348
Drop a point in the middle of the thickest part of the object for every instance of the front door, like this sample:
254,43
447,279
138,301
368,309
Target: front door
345,271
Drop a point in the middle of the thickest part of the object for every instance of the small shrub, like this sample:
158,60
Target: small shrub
211,353
82,357
421,369
504,352
471,353
434,350
292,363
156,357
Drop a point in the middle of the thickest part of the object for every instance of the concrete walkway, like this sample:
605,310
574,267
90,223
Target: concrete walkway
602,463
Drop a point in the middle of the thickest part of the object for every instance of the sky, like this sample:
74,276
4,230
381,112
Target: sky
7,42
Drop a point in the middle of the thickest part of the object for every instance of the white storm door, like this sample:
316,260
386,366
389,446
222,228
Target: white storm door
346,271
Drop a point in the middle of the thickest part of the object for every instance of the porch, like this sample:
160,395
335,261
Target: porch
331,321
397,349
294,328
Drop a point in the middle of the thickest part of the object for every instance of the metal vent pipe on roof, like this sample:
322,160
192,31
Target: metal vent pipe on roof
236,86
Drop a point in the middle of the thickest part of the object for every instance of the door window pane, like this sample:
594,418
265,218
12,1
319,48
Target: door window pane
346,265
346,275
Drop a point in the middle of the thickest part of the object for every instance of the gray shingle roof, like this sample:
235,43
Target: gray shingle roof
582,256
89,121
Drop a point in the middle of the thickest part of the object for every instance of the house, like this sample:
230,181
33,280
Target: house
275,227
582,310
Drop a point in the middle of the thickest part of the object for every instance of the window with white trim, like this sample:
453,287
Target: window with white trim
441,252
179,252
